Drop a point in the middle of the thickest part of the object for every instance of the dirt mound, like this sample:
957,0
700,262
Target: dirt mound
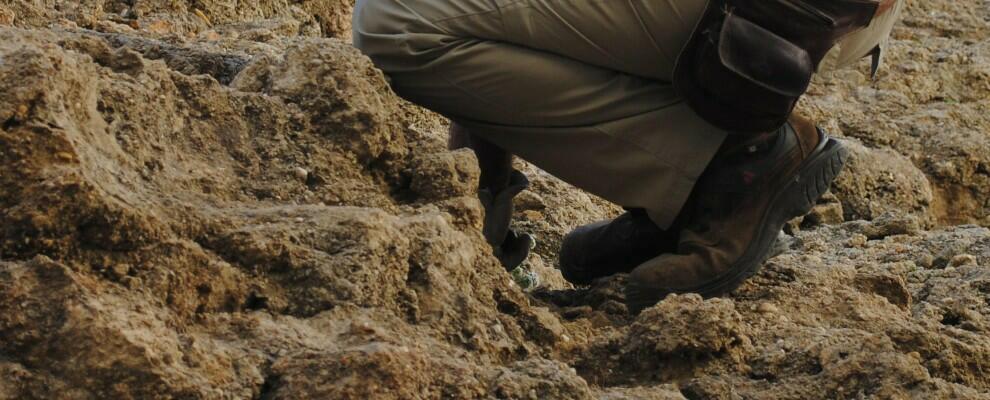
217,199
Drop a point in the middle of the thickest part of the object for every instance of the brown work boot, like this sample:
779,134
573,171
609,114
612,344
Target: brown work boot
743,200
615,246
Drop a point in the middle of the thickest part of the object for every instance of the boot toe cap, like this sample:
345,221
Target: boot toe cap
575,256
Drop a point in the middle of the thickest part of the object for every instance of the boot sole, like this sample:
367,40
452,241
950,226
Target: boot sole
796,199
812,181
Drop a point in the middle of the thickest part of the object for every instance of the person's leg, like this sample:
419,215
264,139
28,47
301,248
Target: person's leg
637,37
755,185
742,202
621,136
495,163
532,77
498,184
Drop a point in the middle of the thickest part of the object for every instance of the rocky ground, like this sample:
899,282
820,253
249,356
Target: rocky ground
218,199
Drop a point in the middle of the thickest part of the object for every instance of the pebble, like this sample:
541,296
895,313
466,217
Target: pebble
130,282
64,156
768,308
120,270
827,214
962,259
857,240
301,173
925,260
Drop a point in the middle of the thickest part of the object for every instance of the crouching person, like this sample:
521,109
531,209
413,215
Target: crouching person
681,111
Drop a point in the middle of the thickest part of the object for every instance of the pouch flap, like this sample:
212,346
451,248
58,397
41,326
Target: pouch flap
763,57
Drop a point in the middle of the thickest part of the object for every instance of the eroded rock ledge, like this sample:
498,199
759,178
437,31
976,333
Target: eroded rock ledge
218,199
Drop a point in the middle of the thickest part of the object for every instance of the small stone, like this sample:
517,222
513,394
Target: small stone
529,200
892,224
768,308
120,270
64,156
130,282
825,214
526,279
301,173
857,240
962,260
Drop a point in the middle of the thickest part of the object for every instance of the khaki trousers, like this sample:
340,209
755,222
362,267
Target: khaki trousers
580,88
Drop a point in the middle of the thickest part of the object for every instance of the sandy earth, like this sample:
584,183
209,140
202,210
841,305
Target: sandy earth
222,199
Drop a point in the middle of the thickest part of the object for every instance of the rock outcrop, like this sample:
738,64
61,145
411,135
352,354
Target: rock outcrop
220,199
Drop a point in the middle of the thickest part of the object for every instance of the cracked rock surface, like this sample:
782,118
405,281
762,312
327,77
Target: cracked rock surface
220,199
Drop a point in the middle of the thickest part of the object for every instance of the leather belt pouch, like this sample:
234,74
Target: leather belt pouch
749,61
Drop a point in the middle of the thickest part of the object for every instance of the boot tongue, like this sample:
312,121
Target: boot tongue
743,163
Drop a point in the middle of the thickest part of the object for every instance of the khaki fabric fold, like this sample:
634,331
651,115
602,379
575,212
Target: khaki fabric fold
580,88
